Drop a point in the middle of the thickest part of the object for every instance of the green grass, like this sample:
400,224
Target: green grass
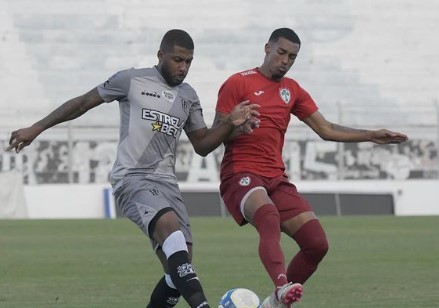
372,262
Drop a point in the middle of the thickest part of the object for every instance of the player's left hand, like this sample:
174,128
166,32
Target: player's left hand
384,136
23,137
243,112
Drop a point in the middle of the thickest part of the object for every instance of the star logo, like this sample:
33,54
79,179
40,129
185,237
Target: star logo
156,126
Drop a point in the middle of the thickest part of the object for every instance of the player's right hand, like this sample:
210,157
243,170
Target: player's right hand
248,126
243,112
22,138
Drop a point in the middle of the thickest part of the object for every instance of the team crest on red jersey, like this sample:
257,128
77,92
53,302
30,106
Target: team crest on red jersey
245,181
285,95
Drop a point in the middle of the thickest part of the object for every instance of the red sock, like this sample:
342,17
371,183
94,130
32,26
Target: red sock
267,223
313,246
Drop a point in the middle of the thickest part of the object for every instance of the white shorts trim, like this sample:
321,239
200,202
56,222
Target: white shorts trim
246,197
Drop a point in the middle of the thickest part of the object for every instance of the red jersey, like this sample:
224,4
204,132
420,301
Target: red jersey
261,151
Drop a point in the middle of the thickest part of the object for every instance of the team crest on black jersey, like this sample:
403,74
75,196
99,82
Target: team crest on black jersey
285,95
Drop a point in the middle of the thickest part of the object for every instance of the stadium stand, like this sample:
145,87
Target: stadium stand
366,63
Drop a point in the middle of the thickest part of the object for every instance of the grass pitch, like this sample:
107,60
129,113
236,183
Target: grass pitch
372,262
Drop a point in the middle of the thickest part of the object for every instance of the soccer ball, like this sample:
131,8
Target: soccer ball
239,298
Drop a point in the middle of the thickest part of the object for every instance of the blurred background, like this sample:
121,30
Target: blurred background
367,64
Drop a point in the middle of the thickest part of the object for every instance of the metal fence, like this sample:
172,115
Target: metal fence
83,151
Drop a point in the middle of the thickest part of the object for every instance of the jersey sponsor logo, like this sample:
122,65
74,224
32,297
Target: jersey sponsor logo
285,95
163,122
185,269
168,95
249,72
245,181
257,93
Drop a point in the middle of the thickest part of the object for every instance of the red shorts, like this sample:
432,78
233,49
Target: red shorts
284,195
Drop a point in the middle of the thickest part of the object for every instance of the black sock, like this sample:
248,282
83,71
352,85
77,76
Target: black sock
163,295
186,280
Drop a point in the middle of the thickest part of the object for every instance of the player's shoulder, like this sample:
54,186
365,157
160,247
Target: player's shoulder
186,90
290,82
184,86
242,76
132,73
141,72
247,73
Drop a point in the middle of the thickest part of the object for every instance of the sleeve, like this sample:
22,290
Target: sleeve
116,87
195,119
229,95
304,106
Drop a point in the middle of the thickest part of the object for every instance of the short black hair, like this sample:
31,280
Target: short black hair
285,33
176,37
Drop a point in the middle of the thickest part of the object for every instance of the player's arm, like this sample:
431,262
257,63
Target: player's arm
245,128
206,140
334,132
68,111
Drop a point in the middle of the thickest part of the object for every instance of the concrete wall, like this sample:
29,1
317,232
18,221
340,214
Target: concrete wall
65,201
410,197
87,201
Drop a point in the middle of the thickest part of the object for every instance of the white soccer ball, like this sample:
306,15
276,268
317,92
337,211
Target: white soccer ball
239,298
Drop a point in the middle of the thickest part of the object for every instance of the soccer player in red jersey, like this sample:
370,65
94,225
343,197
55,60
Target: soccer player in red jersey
254,185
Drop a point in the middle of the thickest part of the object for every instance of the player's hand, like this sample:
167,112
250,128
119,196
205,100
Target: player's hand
22,138
243,112
248,126
384,136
